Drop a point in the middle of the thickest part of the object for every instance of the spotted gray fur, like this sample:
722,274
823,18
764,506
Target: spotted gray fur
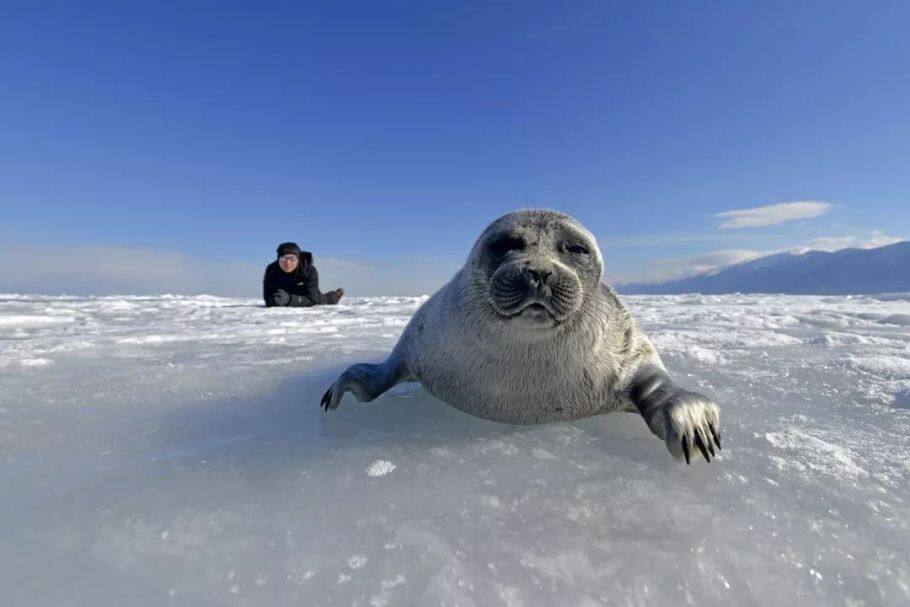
526,333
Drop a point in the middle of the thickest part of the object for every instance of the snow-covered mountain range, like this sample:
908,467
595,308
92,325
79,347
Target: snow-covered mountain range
848,271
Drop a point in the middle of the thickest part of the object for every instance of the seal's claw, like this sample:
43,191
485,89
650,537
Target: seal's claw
714,434
701,445
709,441
324,403
685,446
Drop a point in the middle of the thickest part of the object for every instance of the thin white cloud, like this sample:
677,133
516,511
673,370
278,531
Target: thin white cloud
647,240
712,260
675,269
772,214
834,243
663,270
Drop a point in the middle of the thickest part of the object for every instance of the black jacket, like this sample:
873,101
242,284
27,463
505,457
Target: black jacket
299,289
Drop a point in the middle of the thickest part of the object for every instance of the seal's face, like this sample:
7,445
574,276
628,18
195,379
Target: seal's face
537,267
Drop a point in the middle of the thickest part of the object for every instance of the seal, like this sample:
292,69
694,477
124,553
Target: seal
526,332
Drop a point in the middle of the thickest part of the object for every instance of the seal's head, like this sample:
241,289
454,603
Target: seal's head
536,267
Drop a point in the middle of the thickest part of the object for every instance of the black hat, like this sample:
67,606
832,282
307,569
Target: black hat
288,248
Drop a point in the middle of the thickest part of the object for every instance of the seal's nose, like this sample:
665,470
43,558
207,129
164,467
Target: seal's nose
538,276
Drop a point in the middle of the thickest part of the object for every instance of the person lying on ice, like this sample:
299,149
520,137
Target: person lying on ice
292,280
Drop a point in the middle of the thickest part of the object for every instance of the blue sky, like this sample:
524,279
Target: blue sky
170,148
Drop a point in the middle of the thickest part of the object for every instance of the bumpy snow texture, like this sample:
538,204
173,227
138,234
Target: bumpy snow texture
171,451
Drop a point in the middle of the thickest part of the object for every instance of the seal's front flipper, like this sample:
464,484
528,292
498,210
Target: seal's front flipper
689,421
685,420
365,381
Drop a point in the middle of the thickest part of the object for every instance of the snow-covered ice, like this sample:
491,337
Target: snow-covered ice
171,451
380,468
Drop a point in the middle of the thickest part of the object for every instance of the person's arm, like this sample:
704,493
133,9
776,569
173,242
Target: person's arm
284,299
269,290
311,287
275,296
330,298
302,296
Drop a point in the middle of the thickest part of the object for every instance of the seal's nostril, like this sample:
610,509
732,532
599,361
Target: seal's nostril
537,276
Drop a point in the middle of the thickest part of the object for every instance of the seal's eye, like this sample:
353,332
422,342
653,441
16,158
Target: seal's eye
578,249
503,245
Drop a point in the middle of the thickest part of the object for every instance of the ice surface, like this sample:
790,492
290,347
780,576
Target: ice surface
171,451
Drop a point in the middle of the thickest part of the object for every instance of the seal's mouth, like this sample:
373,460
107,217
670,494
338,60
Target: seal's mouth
533,314
535,308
